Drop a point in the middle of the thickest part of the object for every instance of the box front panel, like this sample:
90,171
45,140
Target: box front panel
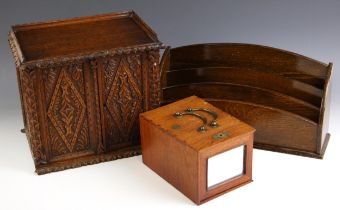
235,172
66,94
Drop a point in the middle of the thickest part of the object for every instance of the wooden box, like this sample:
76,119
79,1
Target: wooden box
285,96
181,140
83,83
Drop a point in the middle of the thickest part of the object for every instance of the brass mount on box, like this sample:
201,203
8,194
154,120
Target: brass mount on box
192,112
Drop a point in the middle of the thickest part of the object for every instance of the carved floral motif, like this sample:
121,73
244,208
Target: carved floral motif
123,102
66,110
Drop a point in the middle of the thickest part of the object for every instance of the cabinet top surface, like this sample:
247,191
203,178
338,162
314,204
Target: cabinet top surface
85,35
185,128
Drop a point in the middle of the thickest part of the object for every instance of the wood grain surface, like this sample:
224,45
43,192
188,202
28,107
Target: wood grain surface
180,155
284,95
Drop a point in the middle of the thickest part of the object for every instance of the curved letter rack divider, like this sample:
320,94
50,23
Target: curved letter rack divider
285,96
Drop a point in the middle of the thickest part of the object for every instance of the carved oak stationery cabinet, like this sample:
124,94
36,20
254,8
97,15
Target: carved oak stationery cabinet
197,148
285,96
83,83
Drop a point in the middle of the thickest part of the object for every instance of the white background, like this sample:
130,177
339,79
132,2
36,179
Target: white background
281,181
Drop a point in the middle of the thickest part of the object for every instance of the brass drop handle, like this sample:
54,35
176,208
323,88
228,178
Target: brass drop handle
192,111
213,123
202,128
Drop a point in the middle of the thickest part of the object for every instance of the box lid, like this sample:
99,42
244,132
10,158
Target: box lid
81,36
185,128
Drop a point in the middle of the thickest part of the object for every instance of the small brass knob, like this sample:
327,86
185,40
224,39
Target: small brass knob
178,114
202,129
214,124
189,110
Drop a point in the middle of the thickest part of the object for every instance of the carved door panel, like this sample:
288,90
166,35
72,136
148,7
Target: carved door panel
68,111
121,92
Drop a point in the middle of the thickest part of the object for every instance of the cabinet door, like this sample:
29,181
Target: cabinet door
68,111
121,96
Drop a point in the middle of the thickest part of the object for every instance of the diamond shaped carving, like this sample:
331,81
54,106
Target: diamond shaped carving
124,99
66,110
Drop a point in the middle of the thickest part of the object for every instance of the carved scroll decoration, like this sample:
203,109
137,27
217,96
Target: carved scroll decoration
155,79
28,81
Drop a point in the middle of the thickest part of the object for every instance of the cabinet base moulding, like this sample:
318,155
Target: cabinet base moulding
88,160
